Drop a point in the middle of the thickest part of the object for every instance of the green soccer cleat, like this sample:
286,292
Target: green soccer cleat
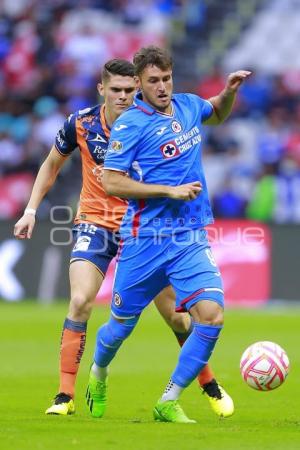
170,411
221,403
96,396
63,405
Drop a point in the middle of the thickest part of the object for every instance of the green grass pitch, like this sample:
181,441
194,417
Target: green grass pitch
30,335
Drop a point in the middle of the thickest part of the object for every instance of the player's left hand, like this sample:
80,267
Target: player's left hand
235,79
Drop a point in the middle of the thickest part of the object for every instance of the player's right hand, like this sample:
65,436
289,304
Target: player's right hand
24,227
188,191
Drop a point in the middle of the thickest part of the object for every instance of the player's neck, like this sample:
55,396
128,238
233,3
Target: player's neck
110,117
168,110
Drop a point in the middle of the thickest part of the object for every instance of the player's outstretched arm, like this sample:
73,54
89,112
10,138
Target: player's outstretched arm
223,102
44,181
118,184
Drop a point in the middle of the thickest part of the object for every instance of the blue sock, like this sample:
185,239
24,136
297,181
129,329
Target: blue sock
110,337
195,353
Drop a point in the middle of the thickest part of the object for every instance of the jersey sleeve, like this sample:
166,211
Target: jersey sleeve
203,107
122,145
65,140
207,110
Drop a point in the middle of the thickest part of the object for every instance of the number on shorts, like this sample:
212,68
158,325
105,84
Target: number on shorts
210,257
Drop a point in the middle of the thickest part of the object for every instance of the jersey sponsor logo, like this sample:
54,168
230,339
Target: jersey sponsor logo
116,146
99,152
117,300
82,244
169,150
176,127
161,131
120,127
188,140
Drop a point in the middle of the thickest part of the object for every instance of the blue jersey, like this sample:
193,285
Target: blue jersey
158,148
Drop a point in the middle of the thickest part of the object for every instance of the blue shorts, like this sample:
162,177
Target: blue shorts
95,244
145,267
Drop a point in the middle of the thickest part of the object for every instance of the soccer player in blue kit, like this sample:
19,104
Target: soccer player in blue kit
154,160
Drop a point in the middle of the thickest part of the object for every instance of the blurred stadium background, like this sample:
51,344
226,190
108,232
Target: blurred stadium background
51,54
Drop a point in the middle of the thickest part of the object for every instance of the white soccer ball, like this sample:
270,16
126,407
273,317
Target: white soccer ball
264,366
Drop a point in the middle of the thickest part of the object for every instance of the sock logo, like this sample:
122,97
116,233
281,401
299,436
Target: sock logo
117,299
81,348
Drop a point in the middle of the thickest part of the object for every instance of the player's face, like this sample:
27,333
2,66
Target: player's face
118,92
157,87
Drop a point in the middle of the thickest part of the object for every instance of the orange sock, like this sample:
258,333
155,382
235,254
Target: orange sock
206,375
71,351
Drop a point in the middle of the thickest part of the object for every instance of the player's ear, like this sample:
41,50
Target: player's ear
137,82
100,89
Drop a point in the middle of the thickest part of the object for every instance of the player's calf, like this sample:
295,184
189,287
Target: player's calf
109,339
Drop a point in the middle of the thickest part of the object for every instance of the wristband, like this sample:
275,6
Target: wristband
30,211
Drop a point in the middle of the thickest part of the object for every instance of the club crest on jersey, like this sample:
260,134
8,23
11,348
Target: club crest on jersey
117,299
169,150
176,127
116,146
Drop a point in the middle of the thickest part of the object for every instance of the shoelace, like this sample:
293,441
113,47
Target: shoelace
175,406
100,390
212,389
61,398
100,386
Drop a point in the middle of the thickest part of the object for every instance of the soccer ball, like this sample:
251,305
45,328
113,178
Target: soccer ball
264,366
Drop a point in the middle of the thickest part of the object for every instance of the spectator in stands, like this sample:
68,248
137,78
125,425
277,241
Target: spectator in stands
52,53
212,83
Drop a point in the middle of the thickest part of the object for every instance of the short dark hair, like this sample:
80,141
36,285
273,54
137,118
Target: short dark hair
153,56
117,67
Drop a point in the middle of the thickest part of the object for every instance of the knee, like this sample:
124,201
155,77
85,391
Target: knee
213,318
80,308
114,332
208,312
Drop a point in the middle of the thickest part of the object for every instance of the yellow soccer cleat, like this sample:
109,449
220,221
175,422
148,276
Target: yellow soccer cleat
221,403
63,405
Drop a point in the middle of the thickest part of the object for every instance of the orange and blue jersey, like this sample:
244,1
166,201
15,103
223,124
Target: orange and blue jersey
162,149
87,130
